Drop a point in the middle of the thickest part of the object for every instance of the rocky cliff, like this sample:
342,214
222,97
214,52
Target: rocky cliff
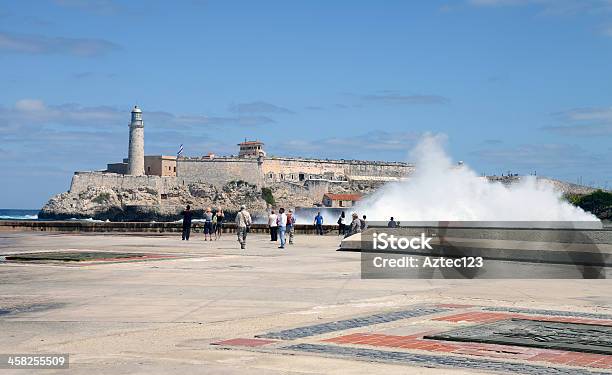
116,198
148,204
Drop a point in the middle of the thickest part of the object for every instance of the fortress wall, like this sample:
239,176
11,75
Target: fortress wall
223,170
379,169
218,171
316,188
293,187
313,189
348,168
296,166
82,180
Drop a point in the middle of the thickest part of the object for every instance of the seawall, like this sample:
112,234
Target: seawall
71,226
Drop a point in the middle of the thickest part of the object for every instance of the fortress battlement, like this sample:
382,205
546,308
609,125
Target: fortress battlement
234,158
268,170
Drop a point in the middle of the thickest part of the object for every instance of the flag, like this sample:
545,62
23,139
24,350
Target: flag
180,151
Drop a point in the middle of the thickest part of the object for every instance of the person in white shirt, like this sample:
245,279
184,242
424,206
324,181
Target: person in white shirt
342,221
273,226
282,227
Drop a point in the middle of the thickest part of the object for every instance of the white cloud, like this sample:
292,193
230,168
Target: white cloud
601,9
498,2
586,114
102,7
258,107
357,146
27,105
41,44
395,98
583,122
552,6
34,112
548,155
607,31
588,130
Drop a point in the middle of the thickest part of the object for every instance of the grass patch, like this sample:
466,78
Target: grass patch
267,195
598,203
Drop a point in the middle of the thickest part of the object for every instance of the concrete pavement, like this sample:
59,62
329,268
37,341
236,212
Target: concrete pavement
161,316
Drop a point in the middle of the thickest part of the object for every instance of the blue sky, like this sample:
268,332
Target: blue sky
519,85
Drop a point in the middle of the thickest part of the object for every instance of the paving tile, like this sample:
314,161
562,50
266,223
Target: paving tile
586,359
320,329
489,317
415,342
577,314
565,358
244,342
545,356
430,360
474,317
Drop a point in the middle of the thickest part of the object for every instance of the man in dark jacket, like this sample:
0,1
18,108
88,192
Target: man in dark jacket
186,223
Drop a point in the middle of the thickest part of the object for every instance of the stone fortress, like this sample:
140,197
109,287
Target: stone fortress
166,183
157,187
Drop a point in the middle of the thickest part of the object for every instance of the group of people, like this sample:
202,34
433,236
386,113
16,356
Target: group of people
348,227
282,225
213,223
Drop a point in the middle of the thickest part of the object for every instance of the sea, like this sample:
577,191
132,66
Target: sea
303,215
18,214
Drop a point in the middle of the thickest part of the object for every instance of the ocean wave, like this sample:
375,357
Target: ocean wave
89,219
18,217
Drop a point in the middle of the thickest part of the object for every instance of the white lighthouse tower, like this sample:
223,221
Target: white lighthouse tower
136,148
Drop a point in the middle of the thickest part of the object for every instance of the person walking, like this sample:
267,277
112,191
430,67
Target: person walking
220,220
273,226
214,224
342,224
243,223
281,220
186,223
355,226
208,225
291,226
318,222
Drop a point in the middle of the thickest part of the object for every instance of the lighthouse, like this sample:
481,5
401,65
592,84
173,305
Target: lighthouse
136,148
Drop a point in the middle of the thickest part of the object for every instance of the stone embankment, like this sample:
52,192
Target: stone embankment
105,196
133,227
